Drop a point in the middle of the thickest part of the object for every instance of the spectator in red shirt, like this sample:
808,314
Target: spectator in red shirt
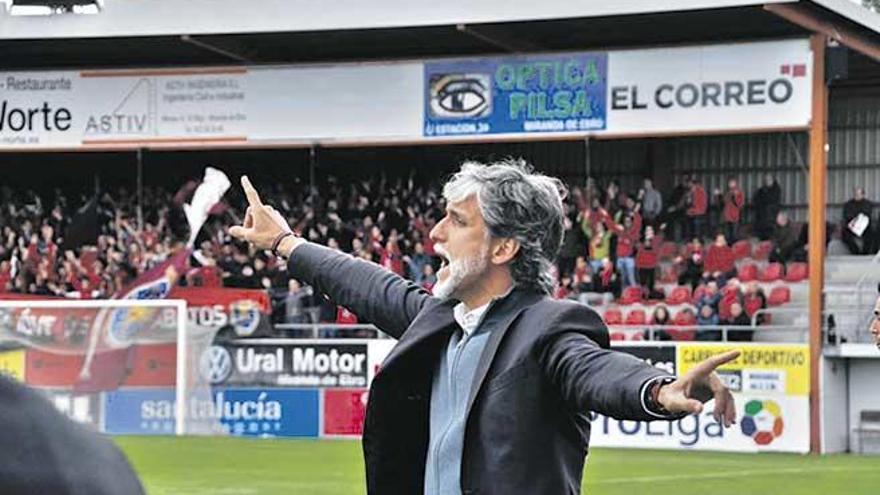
696,212
647,257
720,260
627,237
754,300
734,199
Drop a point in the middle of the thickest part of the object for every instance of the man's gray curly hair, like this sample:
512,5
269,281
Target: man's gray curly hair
519,204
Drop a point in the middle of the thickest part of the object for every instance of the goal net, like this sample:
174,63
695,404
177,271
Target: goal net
125,366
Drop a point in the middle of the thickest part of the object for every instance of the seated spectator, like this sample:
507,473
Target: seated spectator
785,240
708,317
738,317
660,317
694,265
858,231
754,300
710,297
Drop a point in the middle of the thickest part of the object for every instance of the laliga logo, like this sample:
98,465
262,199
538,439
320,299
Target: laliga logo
460,95
762,422
215,364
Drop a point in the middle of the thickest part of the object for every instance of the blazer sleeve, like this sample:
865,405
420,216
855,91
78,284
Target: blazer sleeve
590,376
374,294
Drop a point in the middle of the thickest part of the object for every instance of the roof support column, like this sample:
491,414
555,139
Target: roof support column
816,244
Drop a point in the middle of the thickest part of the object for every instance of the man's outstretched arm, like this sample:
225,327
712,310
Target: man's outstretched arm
615,384
371,292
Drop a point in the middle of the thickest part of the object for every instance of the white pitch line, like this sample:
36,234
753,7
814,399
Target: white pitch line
737,474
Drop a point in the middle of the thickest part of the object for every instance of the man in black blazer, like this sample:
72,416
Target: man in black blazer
490,386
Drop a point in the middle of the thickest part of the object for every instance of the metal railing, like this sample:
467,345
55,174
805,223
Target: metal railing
652,332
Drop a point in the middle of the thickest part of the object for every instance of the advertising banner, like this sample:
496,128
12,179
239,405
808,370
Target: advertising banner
734,86
12,364
46,369
241,412
151,365
244,309
538,93
770,383
45,109
286,363
344,411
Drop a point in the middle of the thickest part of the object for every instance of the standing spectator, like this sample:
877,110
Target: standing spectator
734,199
600,244
646,258
714,217
766,202
627,237
676,212
296,302
857,218
429,278
697,207
572,246
652,203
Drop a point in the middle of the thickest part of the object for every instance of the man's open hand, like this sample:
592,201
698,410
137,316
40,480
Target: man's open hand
262,223
699,385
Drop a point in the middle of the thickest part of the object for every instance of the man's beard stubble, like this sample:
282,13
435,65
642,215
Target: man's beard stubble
460,272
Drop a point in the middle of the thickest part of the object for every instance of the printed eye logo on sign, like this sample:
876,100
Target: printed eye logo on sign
244,316
763,421
215,364
461,95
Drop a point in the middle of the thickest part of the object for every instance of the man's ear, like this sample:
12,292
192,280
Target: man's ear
503,250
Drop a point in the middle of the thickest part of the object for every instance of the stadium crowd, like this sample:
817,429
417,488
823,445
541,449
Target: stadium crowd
618,245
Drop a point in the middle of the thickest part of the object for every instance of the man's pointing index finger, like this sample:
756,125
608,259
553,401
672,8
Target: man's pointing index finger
251,193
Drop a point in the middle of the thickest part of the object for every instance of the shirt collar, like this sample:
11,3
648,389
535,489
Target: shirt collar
470,320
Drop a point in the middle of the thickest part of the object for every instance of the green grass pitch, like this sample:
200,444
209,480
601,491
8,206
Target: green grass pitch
235,466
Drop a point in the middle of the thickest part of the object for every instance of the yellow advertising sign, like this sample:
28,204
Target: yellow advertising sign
12,364
761,368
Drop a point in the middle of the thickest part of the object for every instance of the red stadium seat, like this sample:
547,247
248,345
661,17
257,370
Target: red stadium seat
631,295
668,250
636,317
762,252
748,272
724,307
772,273
742,249
613,316
679,295
796,272
779,296
617,336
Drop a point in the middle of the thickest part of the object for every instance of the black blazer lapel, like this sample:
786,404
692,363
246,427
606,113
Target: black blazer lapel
430,322
500,317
